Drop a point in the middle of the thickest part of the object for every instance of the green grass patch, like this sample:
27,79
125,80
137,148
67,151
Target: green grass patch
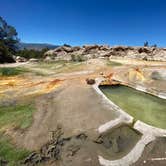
71,66
111,63
10,153
11,71
19,116
55,67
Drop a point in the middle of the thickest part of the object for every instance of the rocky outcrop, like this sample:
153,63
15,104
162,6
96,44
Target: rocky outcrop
33,60
141,53
94,51
87,52
20,59
90,81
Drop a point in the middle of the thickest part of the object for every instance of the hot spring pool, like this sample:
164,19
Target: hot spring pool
142,106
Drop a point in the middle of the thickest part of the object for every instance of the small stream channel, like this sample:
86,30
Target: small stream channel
142,106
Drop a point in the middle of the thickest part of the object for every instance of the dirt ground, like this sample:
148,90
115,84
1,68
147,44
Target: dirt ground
154,154
65,99
70,108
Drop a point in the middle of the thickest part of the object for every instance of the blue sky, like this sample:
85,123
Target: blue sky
78,22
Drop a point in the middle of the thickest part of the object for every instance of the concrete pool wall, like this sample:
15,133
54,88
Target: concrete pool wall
149,133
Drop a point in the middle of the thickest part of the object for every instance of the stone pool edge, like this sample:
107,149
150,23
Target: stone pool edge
121,119
149,133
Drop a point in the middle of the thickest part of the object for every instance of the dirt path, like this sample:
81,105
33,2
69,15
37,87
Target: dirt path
74,105
70,107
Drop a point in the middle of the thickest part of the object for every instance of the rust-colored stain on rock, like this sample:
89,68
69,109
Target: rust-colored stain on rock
21,86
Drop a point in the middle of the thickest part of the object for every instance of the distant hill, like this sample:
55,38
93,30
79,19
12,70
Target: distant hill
36,46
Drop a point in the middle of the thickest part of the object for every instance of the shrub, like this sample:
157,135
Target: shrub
146,44
155,45
28,54
77,58
10,71
5,55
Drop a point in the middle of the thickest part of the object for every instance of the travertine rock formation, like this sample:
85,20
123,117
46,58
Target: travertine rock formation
95,51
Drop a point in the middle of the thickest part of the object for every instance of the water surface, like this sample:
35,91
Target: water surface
142,106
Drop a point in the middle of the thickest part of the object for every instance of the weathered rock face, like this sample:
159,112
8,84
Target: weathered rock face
95,51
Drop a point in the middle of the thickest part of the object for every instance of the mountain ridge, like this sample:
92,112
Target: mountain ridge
36,46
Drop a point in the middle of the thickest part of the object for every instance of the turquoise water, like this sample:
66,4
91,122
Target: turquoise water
142,106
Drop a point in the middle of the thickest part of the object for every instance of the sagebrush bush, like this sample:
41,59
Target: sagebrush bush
11,71
77,58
